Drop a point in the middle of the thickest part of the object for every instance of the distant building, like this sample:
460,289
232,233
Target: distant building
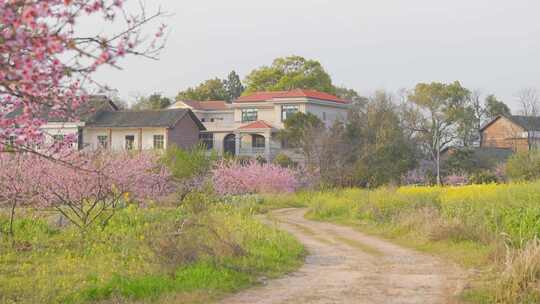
518,133
248,125
142,130
98,124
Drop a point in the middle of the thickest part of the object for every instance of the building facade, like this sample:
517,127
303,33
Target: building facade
517,133
248,125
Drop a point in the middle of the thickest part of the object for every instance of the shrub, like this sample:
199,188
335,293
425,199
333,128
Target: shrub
483,177
456,180
524,166
232,178
284,161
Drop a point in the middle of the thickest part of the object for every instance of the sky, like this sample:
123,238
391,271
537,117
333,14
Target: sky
488,45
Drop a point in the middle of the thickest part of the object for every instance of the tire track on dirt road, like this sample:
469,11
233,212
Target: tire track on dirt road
346,266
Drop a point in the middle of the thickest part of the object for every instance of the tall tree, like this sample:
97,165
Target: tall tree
352,95
288,73
211,89
494,107
153,102
434,113
233,86
381,152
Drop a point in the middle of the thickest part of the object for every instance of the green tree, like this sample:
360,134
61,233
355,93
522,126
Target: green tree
288,73
153,102
495,107
211,89
350,94
380,151
233,86
434,113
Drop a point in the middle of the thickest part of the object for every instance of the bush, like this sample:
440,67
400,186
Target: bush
233,178
283,160
483,177
524,166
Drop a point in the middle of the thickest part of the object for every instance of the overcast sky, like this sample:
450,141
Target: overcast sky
490,45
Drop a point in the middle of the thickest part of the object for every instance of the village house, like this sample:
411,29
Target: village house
517,133
99,124
248,125
142,130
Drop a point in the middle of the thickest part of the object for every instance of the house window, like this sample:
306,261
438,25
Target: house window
249,115
258,141
130,142
159,142
211,120
288,110
103,141
207,139
203,119
323,115
11,141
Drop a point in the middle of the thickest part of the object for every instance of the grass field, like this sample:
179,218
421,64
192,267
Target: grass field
189,255
490,228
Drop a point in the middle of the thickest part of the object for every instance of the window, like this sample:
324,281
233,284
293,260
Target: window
11,141
211,120
258,141
159,142
249,115
130,142
203,119
323,115
59,138
207,139
103,141
287,111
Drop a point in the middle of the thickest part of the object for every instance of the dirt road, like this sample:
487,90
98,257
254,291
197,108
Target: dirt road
345,266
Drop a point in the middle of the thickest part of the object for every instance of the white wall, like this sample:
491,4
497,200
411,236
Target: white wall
65,129
119,137
332,113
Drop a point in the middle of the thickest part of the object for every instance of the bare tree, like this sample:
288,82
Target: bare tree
529,101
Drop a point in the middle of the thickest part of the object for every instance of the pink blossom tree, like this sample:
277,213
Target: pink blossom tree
44,62
90,188
234,178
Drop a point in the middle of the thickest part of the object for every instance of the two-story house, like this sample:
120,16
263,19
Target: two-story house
248,125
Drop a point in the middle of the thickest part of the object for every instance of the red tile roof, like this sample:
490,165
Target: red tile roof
207,105
266,96
259,124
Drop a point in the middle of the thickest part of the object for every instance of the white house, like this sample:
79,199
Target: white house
142,130
247,126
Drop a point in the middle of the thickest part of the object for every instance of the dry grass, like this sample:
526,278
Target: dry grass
520,279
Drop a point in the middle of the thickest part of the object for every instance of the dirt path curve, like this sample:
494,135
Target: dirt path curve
345,266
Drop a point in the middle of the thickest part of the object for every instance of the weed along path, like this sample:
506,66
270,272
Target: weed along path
345,266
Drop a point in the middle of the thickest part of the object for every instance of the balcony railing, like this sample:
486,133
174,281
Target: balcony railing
252,151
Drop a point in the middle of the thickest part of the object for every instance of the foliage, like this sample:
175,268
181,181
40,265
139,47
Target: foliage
129,260
379,149
434,113
189,168
283,160
456,180
232,178
91,187
233,86
211,89
485,177
49,62
288,73
352,95
495,107
524,166
152,102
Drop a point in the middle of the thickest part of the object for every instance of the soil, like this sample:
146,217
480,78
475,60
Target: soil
346,266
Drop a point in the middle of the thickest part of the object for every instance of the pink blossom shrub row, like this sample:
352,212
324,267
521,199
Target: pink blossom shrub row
233,178
81,178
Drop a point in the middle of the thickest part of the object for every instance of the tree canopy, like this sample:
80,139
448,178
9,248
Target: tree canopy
211,89
152,102
495,107
288,73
